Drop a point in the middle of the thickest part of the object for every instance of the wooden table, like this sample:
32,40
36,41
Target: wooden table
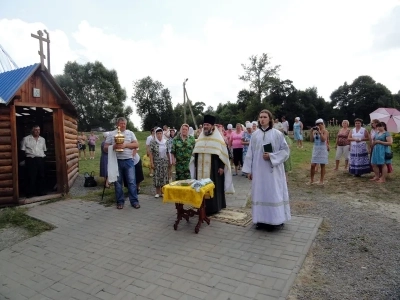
186,195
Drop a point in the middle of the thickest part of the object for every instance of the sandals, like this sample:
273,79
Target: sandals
136,205
120,206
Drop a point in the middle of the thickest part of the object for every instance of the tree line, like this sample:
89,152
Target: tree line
100,99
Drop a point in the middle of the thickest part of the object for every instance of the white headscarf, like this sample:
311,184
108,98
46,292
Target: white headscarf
162,145
191,131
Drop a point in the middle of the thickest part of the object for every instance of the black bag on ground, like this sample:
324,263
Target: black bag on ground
89,180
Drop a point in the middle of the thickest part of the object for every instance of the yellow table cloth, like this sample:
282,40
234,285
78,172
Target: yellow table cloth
186,194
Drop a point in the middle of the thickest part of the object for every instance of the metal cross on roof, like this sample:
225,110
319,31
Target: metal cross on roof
41,39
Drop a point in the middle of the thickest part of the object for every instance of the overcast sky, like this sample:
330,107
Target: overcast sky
317,43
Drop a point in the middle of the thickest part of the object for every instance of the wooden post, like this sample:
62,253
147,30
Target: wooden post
14,153
41,39
191,111
184,101
59,141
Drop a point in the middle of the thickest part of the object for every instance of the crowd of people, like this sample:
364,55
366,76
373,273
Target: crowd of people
209,151
363,151
260,150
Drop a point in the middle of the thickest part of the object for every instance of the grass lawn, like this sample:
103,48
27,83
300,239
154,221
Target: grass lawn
17,217
338,181
341,181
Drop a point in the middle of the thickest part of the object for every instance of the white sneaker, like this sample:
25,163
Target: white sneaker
157,196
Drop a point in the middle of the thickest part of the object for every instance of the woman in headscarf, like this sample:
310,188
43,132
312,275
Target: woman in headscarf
169,150
246,141
298,132
159,161
191,131
182,148
254,126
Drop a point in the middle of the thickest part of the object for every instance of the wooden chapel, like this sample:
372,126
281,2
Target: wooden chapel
30,96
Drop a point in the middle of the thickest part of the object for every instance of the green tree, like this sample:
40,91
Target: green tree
244,99
96,93
260,74
396,100
153,103
361,98
285,97
228,113
209,111
197,108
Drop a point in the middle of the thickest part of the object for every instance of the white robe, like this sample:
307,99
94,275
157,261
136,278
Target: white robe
269,192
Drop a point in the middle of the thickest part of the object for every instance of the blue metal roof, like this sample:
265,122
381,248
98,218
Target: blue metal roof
11,81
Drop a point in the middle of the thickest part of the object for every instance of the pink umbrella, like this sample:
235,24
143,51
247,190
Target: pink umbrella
390,116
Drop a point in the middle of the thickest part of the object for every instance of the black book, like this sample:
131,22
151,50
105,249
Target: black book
268,148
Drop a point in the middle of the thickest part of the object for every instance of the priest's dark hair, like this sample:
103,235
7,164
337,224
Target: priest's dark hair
271,119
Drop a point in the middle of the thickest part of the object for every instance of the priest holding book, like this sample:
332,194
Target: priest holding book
266,154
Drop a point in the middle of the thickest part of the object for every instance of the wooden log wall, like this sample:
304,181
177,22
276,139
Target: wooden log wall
6,165
71,149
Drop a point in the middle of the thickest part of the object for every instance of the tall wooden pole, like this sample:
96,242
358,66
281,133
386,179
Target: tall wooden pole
184,101
190,108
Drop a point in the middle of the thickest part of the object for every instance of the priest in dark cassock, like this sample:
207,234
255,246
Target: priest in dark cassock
210,160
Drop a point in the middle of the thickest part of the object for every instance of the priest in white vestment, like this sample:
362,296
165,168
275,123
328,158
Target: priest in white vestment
269,192
211,160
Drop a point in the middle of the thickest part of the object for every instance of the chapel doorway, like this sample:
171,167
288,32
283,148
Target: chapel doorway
26,118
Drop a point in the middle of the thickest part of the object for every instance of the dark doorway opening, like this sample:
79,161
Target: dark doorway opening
27,117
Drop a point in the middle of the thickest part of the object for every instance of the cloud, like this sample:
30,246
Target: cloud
387,31
16,39
319,44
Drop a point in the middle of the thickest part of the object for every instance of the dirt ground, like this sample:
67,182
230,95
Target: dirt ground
356,254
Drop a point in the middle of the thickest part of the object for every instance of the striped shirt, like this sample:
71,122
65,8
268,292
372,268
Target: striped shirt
129,138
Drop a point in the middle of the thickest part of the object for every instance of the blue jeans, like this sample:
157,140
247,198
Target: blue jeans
126,170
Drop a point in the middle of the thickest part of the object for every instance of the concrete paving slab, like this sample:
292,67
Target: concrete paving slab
99,252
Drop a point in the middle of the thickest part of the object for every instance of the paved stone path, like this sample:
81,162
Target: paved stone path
99,252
